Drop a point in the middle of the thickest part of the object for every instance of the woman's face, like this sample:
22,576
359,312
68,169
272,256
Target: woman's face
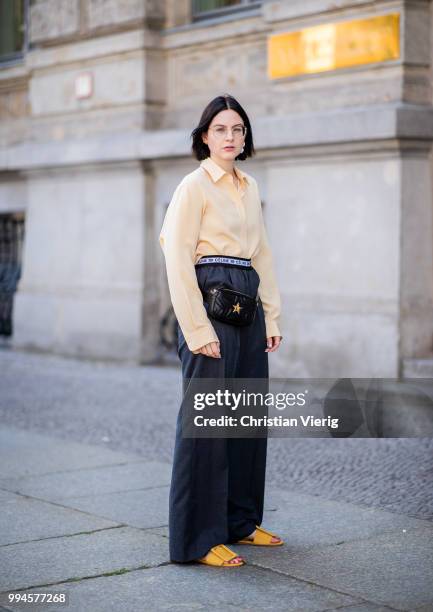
224,136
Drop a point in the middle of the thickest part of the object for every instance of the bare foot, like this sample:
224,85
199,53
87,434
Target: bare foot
236,560
275,539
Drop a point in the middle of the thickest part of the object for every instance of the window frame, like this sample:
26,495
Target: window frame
242,5
18,56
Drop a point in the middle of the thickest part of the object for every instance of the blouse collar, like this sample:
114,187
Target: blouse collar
217,172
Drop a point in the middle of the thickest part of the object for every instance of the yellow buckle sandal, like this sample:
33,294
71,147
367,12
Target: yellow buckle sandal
262,538
219,555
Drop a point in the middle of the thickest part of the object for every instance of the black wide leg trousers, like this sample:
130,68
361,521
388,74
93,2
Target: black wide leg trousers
217,485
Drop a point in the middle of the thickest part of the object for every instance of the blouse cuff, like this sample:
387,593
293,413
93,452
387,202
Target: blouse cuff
200,337
272,328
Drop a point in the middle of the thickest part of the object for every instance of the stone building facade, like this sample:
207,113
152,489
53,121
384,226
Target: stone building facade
97,102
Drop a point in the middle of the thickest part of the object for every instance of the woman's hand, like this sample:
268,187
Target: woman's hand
212,349
273,343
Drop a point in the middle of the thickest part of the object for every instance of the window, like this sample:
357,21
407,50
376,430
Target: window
212,8
13,29
11,246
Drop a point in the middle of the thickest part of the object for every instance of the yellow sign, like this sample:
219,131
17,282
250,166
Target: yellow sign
334,45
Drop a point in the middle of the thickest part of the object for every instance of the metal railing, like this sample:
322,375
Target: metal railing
11,243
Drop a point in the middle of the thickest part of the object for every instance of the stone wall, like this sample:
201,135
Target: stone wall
344,166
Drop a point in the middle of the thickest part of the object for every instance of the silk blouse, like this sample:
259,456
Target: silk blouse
208,215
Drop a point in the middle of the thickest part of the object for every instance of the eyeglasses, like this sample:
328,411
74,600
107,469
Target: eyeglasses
221,131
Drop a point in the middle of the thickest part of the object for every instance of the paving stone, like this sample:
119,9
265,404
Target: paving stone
177,587
91,481
4,495
144,508
366,607
58,559
305,521
23,519
360,555
393,474
393,569
163,531
24,453
43,392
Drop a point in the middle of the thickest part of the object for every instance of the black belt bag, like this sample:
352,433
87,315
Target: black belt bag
231,306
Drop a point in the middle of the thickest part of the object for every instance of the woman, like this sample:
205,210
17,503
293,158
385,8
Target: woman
213,233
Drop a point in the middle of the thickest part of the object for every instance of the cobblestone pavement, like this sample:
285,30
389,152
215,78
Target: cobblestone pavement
130,408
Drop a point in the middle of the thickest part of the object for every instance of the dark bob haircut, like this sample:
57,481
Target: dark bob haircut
200,149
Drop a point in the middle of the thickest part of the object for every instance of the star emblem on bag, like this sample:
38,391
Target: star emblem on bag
237,308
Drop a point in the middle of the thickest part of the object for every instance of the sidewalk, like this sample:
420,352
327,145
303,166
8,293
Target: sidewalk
92,523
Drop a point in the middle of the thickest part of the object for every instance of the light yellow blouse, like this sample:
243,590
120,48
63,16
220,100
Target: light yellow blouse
207,215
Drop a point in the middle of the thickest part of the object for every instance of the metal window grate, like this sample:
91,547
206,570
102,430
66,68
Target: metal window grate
11,243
